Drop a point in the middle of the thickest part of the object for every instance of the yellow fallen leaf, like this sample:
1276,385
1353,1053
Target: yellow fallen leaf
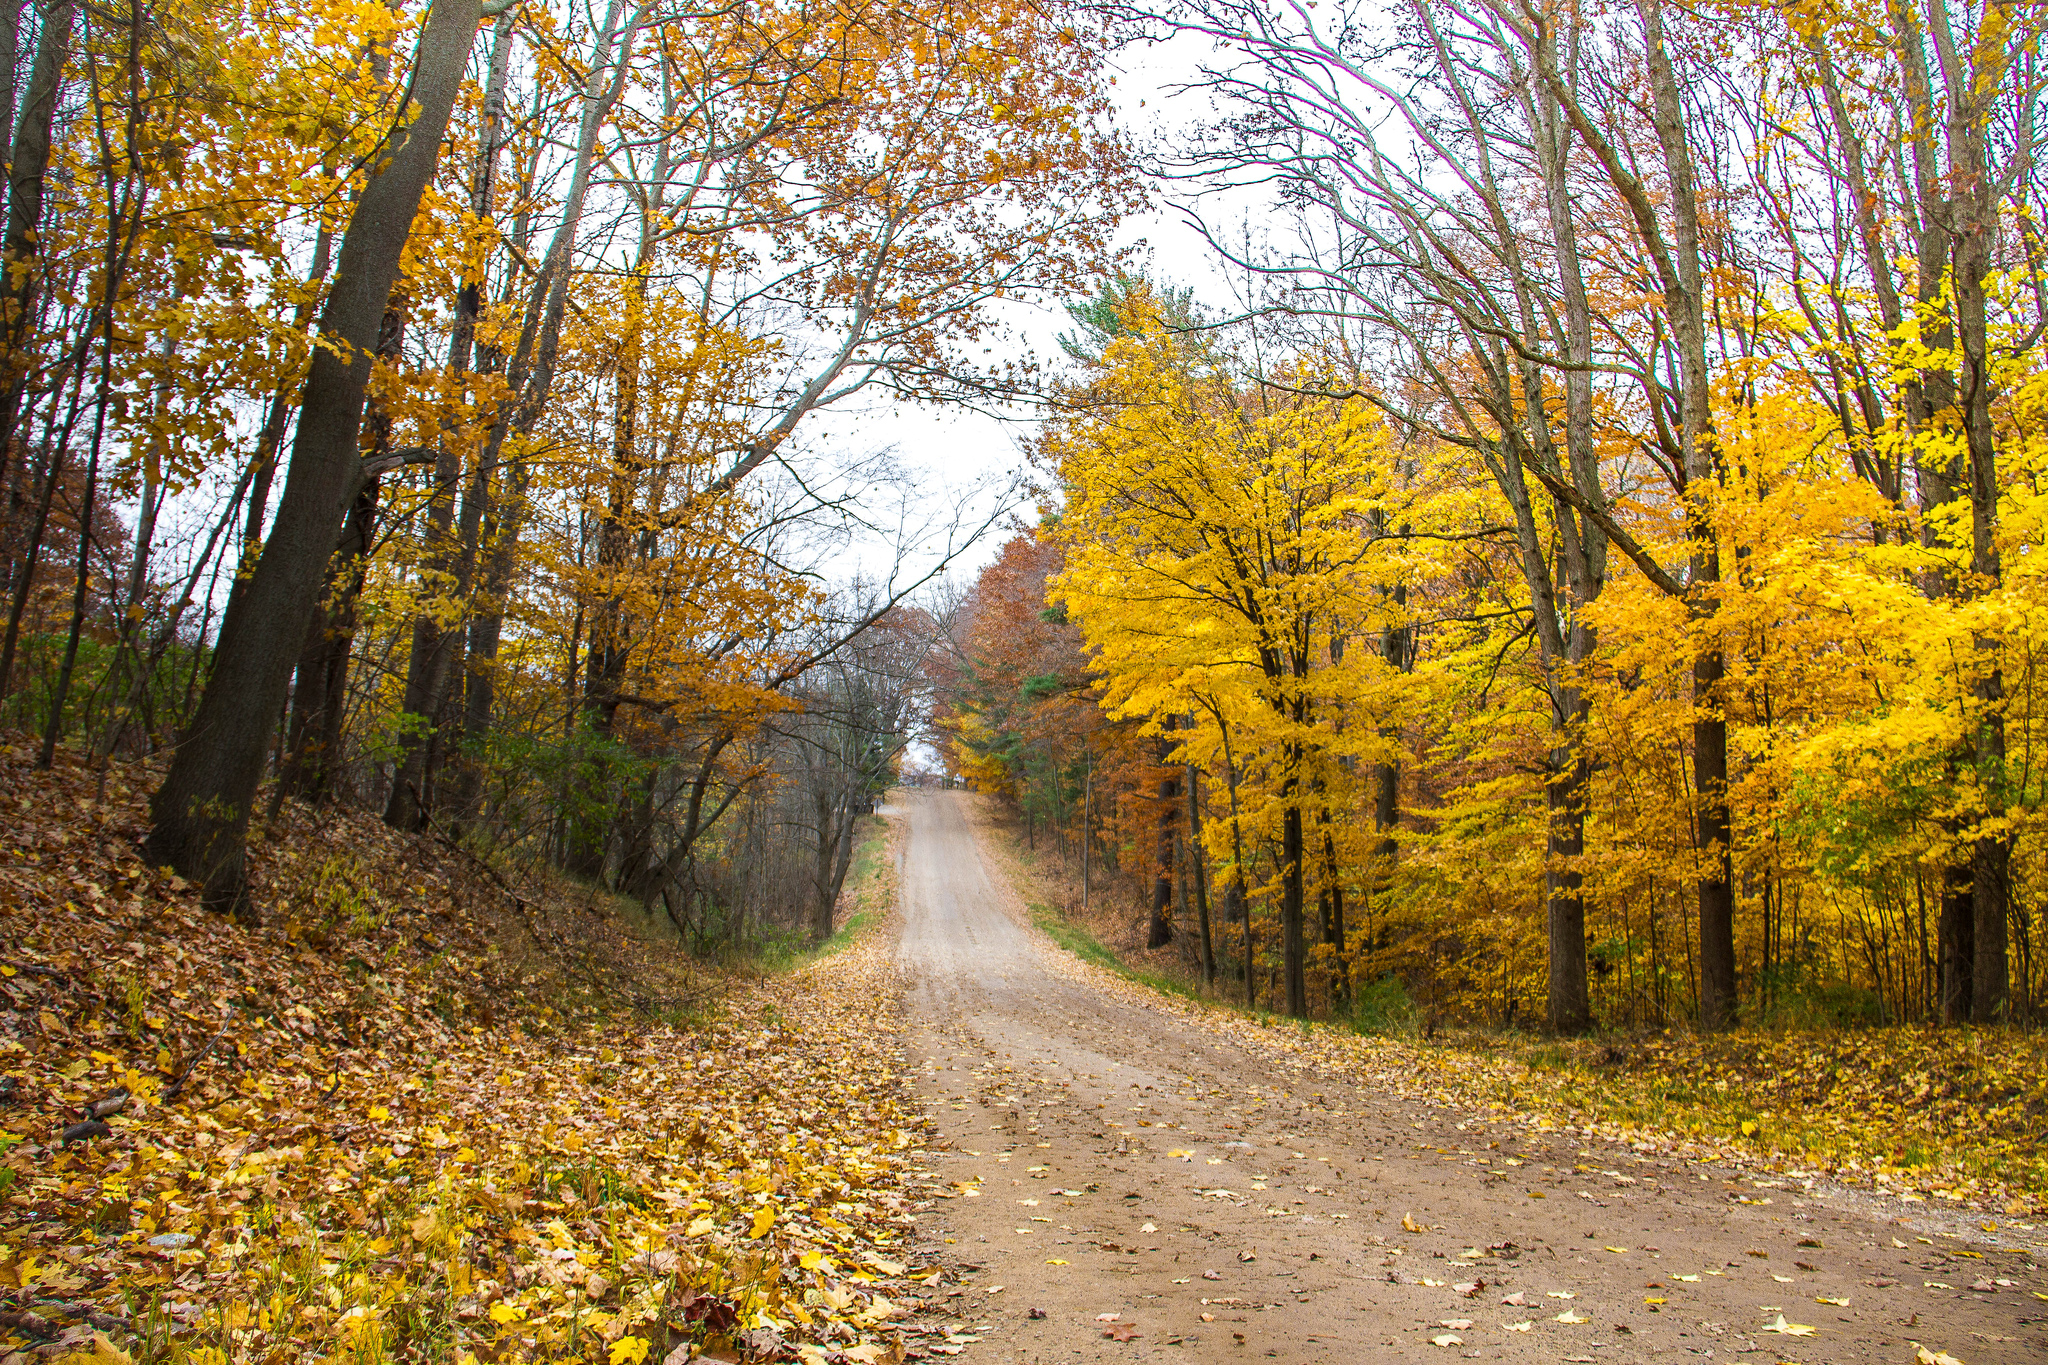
699,1226
1839,1303
1446,1339
1521,1326
1559,1294
103,1352
629,1351
1689,1279
1569,1316
506,1313
1923,1356
1408,1224
1055,1261
1656,1300
379,1113
1789,1329
763,1220
1619,1251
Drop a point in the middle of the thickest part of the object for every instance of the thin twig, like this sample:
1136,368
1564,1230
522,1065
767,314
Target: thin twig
177,1086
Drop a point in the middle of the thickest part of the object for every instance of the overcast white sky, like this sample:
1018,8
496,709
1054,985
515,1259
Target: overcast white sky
951,451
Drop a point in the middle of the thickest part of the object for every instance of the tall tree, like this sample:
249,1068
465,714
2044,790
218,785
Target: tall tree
200,815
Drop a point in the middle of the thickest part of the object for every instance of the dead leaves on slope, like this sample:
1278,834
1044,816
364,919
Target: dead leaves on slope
402,1144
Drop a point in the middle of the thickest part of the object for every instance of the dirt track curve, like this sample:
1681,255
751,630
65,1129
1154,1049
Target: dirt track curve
1123,1161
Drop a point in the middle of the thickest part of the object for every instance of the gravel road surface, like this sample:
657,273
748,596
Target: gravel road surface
1119,1183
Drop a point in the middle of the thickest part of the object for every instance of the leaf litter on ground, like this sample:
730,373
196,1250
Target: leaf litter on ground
1919,1114
424,1110
1923,1114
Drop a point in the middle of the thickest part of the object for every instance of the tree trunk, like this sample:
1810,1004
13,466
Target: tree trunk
451,564
1570,1008
1293,945
834,856
200,815
320,696
1685,308
1087,830
1160,932
27,168
1333,923
1199,856
1956,943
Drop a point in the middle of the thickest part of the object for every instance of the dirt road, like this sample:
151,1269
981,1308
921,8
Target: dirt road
1108,1158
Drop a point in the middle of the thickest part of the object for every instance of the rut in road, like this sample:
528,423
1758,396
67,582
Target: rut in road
1103,1157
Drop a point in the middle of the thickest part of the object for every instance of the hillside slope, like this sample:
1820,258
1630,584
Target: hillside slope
421,1111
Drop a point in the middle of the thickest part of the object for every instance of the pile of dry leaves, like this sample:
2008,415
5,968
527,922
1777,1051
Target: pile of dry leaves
422,1111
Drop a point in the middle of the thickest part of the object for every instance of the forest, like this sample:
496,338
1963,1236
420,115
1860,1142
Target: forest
407,408
1517,660
1583,575
1576,572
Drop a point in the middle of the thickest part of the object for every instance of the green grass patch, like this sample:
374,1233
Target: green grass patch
1088,948
868,880
846,934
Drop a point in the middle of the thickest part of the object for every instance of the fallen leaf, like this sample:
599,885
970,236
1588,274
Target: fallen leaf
1446,1339
1521,1326
1569,1316
1789,1329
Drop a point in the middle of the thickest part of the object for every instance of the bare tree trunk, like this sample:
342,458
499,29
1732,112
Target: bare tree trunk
1159,932
1293,948
25,172
1333,922
1200,857
1973,79
1956,944
1685,309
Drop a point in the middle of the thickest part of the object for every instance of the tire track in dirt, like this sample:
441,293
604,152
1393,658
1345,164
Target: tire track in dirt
1100,1157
